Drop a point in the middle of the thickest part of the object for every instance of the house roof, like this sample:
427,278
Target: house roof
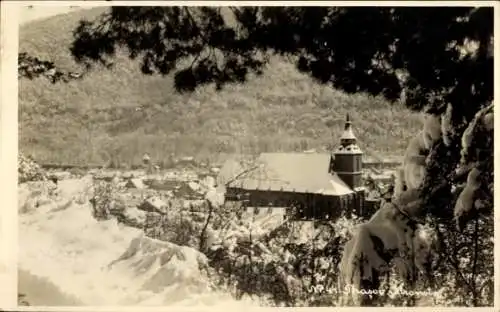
289,172
135,183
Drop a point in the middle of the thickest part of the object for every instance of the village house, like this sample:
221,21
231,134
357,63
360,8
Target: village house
318,185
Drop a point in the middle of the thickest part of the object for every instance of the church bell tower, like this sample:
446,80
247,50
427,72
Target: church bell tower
347,162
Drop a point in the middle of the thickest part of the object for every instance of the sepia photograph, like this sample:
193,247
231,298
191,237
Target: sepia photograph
218,155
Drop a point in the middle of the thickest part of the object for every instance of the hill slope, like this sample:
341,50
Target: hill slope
117,115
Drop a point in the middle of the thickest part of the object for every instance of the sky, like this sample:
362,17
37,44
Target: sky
28,14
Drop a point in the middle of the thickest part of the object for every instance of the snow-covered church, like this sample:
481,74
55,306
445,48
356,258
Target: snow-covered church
318,185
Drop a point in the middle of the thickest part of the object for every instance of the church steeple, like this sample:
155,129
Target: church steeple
348,137
348,157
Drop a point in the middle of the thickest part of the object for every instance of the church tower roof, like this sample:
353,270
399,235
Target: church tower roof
348,141
348,135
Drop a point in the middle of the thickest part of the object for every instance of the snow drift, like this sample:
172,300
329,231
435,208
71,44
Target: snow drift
107,263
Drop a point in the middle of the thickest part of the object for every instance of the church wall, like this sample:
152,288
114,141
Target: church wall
349,168
307,205
348,162
353,180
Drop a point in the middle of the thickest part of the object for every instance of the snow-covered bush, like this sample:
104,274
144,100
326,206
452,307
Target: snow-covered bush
105,200
295,264
29,170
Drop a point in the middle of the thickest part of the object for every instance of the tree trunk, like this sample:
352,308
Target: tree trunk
203,239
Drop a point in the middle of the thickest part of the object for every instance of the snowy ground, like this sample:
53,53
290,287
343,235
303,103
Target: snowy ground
68,253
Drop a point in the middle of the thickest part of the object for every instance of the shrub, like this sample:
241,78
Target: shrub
29,170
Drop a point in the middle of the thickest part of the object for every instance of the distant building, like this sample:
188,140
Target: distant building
135,183
146,159
318,185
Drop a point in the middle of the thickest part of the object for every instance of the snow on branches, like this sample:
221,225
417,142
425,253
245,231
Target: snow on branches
394,236
389,236
481,125
476,159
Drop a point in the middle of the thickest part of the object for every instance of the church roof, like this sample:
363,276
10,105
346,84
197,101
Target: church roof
348,134
288,172
348,140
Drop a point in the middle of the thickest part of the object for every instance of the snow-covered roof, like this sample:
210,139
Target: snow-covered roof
288,172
